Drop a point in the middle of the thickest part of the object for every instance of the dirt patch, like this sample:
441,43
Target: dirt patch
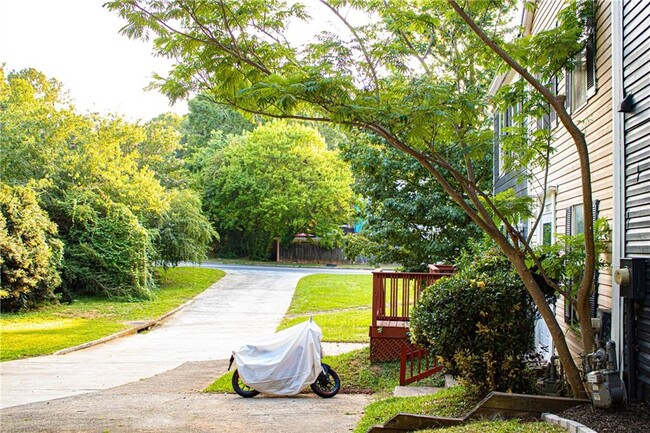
634,418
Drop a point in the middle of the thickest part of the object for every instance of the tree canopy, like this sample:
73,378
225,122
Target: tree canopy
275,182
407,217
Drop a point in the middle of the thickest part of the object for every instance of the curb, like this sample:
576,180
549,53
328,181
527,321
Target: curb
134,330
567,424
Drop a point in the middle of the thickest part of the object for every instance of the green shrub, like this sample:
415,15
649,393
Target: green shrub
30,252
480,322
184,233
108,252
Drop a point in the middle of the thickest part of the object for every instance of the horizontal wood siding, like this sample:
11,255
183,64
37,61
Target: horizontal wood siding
636,82
595,119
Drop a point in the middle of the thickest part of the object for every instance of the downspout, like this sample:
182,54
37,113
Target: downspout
618,149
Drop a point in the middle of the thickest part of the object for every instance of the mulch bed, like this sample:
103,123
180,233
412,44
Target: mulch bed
634,418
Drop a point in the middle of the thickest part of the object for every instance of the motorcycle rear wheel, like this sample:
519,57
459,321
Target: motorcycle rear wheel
327,384
241,388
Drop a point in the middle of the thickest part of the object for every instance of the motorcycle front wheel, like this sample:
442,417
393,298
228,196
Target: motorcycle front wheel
241,388
327,384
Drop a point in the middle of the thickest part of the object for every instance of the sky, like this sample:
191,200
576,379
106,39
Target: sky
77,42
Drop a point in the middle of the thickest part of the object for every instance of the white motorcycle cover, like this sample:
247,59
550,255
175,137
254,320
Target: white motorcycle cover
283,363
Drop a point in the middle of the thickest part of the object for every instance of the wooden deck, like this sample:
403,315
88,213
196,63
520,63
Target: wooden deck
394,295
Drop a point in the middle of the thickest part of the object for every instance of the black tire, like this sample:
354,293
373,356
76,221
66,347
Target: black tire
241,388
328,383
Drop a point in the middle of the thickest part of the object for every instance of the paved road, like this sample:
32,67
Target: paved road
246,303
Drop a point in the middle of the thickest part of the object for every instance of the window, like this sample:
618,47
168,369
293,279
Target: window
581,81
545,230
575,224
578,220
504,121
549,120
547,233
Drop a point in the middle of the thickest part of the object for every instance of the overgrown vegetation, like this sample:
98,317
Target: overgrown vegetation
107,188
408,218
273,183
480,323
30,252
55,327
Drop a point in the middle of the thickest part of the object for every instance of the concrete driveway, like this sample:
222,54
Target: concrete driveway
172,402
246,303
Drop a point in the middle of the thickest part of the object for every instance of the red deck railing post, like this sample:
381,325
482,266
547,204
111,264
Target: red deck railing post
402,367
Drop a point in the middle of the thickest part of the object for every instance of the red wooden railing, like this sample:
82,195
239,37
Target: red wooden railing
395,294
416,365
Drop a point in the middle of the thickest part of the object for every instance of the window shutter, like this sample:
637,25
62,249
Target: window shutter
568,308
567,91
591,63
553,113
593,299
496,154
567,227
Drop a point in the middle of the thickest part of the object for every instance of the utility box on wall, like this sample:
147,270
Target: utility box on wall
632,278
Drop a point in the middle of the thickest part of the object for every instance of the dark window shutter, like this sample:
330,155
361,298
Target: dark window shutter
567,91
591,63
497,145
593,299
568,308
553,113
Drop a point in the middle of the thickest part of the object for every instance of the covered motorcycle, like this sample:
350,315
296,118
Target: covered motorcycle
285,363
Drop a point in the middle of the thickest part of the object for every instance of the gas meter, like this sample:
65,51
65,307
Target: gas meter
605,385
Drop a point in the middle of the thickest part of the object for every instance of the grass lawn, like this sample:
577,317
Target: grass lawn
510,426
346,326
325,292
56,327
340,304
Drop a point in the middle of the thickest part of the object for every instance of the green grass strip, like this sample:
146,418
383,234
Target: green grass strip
450,402
346,326
508,426
324,292
56,327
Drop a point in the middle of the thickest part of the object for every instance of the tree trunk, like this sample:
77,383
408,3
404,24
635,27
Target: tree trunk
570,368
